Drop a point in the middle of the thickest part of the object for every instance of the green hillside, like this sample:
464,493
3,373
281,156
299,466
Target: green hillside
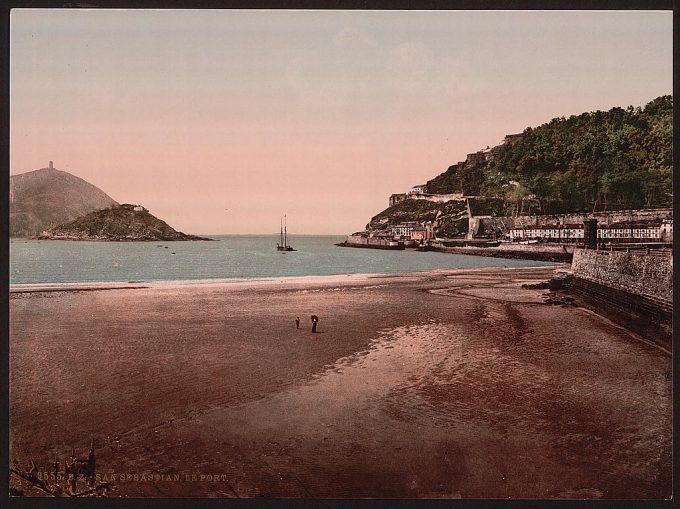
604,160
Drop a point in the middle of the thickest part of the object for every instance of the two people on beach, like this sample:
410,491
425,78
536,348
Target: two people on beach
315,320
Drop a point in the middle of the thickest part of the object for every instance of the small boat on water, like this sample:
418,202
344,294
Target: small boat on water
283,245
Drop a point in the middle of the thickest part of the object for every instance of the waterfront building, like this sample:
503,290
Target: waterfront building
667,230
631,230
550,232
419,233
405,229
628,231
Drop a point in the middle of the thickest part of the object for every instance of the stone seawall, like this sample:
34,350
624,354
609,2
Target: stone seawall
542,252
373,243
646,274
650,318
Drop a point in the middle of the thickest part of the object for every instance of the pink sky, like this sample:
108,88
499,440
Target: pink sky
221,121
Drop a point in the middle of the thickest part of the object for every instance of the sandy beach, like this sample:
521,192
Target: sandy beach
445,384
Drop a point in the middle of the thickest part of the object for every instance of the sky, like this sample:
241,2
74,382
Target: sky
221,121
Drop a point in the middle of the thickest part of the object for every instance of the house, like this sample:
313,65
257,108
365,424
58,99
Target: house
419,233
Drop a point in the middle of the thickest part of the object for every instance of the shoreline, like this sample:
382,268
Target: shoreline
256,281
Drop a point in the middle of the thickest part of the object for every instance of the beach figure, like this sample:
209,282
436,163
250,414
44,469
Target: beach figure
297,322
315,320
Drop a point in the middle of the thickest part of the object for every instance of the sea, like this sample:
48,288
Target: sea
231,256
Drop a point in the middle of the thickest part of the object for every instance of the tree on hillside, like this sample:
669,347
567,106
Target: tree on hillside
602,160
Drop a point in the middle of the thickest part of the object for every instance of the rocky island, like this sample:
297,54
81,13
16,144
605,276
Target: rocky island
126,222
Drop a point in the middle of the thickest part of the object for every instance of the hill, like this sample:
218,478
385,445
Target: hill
598,161
593,162
120,223
451,216
46,198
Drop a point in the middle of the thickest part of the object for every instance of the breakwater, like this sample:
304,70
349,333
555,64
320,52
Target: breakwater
357,240
372,245
542,252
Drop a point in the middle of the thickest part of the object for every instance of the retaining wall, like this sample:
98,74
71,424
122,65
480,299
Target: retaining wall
504,224
645,274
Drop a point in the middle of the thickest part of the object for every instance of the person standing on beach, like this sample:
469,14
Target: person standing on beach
315,320
297,322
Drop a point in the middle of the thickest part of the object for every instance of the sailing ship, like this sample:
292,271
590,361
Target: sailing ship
283,245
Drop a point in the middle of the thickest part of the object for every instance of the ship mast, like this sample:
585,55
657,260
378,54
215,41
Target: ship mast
285,231
281,220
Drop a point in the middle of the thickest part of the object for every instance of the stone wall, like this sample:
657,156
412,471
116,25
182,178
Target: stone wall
648,317
396,198
525,252
646,274
504,224
438,198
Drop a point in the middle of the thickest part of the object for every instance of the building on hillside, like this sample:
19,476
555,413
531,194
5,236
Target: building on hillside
476,158
511,139
631,231
419,189
404,230
624,231
430,228
548,232
397,197
488,154
667,230
419,233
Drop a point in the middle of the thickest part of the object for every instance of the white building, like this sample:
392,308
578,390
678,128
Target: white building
650,231
667,230
566,232
405,229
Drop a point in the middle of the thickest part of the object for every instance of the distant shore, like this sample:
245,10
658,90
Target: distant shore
453,384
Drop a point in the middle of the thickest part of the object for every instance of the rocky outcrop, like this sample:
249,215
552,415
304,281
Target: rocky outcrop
46,198
121,223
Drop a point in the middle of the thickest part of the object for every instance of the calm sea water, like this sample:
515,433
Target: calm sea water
234,256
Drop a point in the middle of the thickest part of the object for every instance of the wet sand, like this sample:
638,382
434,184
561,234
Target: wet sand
454,384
